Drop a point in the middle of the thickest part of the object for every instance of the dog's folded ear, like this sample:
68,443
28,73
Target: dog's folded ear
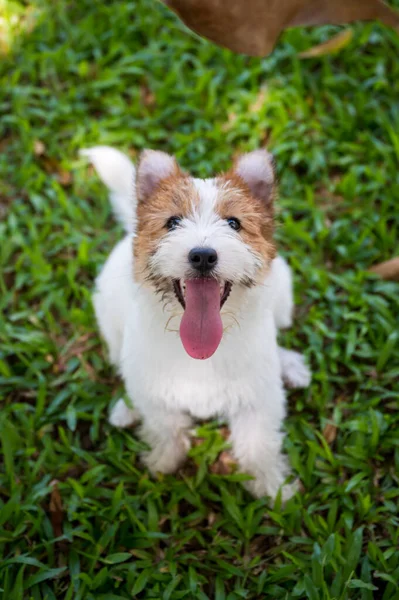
256,170
154,166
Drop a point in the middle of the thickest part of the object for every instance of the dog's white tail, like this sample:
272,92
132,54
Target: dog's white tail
118,173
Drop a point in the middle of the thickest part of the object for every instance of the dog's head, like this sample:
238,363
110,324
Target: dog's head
197,240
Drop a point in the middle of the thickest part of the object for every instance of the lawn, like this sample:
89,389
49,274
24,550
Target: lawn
80,519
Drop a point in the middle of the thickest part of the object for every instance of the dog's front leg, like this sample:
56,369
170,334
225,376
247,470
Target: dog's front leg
122,416
166,432
257,445
294,370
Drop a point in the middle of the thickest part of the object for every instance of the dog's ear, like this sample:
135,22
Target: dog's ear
154,166
256,169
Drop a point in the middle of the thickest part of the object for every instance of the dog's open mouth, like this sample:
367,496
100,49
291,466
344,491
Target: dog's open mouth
180,291
201,327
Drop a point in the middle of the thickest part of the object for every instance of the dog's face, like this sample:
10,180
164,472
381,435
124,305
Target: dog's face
198,239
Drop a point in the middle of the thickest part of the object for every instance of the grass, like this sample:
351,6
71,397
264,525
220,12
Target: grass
79,518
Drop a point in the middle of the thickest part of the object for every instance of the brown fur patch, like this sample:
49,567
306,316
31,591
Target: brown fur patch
256,217
175,196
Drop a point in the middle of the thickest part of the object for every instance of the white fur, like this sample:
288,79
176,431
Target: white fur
280,283
118,174
242,381
295,371
123,416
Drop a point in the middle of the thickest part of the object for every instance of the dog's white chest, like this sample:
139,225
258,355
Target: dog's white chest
157,369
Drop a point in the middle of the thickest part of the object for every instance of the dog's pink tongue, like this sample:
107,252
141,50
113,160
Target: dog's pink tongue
201,327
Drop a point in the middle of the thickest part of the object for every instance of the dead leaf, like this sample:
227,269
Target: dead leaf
376,478
91,373
53,167
334,44
259,101
164,570
330,433
211,518
224,465
76,348
49,164
147,97
373,373
328,201
64,177
301,490
38,148
224,432
56,512
196,441
254,26
388,270
228,125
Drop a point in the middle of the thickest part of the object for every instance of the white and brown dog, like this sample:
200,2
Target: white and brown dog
189,303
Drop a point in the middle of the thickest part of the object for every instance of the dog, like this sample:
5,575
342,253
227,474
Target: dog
189,304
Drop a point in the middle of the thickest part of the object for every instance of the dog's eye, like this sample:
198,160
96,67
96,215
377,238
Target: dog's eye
172,223
234,223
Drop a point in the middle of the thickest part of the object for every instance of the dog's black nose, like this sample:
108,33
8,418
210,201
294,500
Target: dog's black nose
203,259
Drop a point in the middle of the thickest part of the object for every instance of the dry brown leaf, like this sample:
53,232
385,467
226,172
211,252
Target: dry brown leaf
50,164
224,465
56,512
211,518
196,441
147,97
77,348
376,478
387,270
373,373
53,167
38,148
330,433
228,125
91,373
64,177
254,26
224,432
334,44
301,490
259,101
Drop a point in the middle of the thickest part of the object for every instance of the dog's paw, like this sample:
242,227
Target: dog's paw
260,487
168,457
288,490
295,371
123,416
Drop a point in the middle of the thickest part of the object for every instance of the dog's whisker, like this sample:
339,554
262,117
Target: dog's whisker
233,317
169,320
